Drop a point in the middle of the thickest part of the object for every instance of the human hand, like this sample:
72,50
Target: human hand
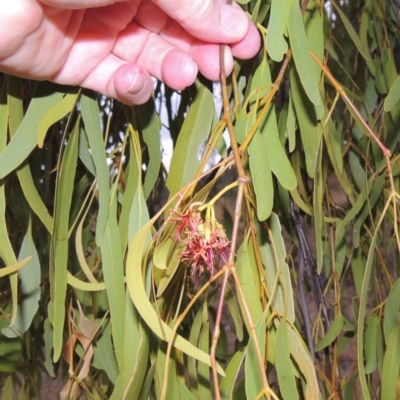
115,46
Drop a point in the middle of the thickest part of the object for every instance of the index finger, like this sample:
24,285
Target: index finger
209,20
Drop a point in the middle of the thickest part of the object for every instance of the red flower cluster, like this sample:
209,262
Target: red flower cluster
206,242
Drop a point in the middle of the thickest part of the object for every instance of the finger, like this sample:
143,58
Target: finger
117,79
79,4
155,55
207,57
205,54
208,20
177,67
249,46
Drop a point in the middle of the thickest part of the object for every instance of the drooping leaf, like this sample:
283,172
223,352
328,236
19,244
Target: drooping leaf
15,119
304,64
276,43
150,127
364,51
139,297
24,140
371,337
332,333
308,123
253,375
284,369
29,287
392,318
90,115
391,365
393,96
261,176
58,271
56,113
273,254
195,129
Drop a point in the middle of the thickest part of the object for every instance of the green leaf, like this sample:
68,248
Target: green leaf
273,255
150,127
203,369
361,316
308,123
58,271
276,44
48,347
304,64
276,154
233,308
136,350
261,176
191,362
29,287
332,334
306,365
171,261
15,118
392,307
353,34
138,213
184,392
90,115
291,125
11,269
253,375
84,153
232,374
113,271
8,389
25,138
185,160
106,354
318,193
284,368
393,96
391,365
139,297
56,113
248,284
371,337
148,383
359,204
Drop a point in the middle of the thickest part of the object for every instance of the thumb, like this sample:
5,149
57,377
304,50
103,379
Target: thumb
208,20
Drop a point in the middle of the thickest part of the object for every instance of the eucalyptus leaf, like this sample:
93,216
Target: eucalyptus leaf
304,65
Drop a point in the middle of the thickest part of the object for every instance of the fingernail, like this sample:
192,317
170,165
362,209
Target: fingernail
234,20
138,82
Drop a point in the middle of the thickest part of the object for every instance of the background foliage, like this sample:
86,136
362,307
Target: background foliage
273,274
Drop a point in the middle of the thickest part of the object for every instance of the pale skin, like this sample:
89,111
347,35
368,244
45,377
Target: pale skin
115,47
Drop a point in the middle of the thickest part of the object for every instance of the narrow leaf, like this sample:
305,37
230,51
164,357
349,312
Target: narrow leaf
276,44
284,369
332,333
304,64
393,96
29,287
58,271
24,140
59,111
185,160
90,114
139,297
391,365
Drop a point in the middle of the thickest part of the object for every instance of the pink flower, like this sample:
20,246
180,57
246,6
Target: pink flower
206,243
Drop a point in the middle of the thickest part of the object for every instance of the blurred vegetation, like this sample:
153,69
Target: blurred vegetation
272,274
